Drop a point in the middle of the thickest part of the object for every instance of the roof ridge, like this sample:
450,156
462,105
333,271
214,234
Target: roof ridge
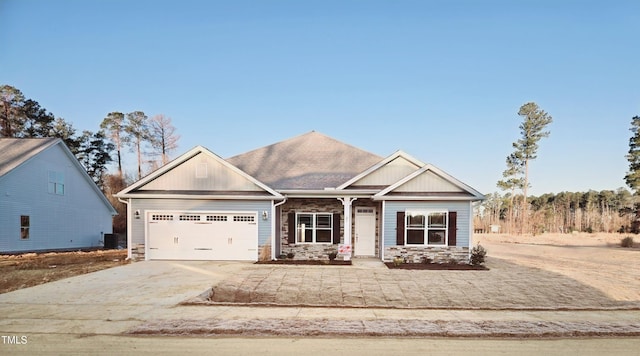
312,159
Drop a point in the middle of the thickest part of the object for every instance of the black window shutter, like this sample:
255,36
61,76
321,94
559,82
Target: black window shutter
291,236
400,228
453,227
336,228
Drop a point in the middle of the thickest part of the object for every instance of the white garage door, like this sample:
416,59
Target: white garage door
202,236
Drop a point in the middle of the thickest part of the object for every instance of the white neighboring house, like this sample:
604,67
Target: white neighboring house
47,200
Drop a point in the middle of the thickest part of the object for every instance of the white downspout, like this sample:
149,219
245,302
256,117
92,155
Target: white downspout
129,223
273,227
470,229
382,214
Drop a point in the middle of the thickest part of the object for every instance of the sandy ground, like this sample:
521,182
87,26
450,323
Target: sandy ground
594,260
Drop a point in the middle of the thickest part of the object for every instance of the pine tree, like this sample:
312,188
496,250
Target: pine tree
633,176
532,129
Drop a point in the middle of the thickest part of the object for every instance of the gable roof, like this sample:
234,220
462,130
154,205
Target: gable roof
234,182
446,187
15,152
412,164
311,161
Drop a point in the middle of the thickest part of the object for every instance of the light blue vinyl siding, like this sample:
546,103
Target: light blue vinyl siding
76,219
393,207
180,205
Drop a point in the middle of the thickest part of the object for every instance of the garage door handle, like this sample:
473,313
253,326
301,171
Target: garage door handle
175,240
230,241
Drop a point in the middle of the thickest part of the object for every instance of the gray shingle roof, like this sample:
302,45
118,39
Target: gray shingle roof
16,151
306,162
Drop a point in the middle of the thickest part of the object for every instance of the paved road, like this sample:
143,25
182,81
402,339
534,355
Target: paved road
43,344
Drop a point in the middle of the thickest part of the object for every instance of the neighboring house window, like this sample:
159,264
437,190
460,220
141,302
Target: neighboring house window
24,227
314,228
426,228
56,183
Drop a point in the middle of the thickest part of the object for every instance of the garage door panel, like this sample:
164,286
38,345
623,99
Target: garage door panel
202,236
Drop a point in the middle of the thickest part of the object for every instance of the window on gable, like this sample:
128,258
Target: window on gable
424,228
56,183
24,227
314,228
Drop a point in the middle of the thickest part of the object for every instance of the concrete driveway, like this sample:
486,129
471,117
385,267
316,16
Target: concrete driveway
112,300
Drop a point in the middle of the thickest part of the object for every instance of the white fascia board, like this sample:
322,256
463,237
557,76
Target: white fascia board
429,167
414,198
381,164
188,155
457,182
162,170
196,197
328,193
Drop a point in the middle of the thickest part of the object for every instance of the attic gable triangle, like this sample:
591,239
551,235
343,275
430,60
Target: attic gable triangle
430,180
386,172
199,170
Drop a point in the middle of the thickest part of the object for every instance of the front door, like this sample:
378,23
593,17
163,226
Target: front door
365,244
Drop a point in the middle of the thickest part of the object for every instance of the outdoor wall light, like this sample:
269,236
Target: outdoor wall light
137,214
265,215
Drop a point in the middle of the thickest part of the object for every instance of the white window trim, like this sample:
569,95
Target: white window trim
426,229
26,228
313,238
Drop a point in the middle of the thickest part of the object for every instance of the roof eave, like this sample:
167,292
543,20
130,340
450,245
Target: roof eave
198,197
326,193
423,198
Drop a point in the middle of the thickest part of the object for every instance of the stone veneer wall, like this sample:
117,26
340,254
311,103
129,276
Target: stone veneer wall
137,252
309,251
416,254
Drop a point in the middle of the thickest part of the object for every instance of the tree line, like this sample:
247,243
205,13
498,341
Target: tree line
564,212
592,211
152,139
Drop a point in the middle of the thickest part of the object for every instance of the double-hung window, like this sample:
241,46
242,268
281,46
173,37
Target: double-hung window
24,227
426,228
314,228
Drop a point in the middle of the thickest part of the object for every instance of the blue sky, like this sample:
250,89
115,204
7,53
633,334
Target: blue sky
441,80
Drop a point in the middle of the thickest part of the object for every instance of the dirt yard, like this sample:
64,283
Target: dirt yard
594,260
26,270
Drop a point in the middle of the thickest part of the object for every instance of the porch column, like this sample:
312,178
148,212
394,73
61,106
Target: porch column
346,203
